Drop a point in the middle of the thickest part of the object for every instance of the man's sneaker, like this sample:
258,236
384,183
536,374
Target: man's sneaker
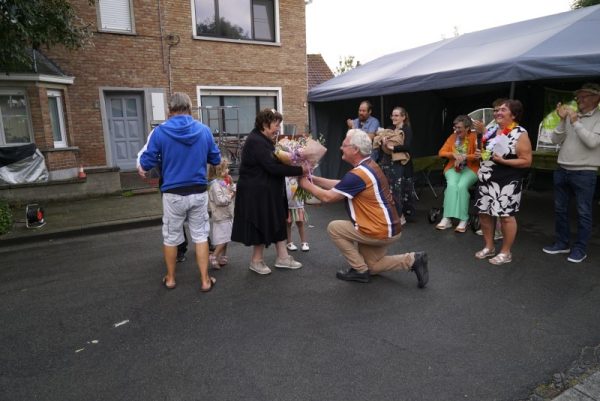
180,257
556,248
287,263
576,256
498,235
354,275
291,246
305,247
259,267
420,268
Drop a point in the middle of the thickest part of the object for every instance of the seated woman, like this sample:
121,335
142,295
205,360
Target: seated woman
460,172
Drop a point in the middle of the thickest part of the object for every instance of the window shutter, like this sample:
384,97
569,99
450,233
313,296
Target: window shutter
115,15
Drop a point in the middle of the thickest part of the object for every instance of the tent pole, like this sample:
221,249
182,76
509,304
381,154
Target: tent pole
512,90
381,113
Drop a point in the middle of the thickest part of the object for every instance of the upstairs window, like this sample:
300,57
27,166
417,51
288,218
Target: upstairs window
115,16
252,20
15,121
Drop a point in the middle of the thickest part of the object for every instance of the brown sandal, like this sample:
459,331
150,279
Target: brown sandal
213,281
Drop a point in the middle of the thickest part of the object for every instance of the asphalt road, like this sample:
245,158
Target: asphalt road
87,319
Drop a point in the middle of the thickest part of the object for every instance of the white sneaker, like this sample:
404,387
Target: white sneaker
291,246
498,235
259,267
305,247
444,224
402,220
287,263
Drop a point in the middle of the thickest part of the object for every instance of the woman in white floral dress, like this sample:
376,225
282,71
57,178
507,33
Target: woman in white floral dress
505,160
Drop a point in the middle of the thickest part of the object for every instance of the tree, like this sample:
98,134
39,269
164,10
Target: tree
30,24
346,64
583,3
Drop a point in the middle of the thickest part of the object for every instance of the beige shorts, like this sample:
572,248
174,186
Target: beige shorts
178,208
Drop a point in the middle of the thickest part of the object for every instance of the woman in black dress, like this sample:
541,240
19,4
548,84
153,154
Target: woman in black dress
260,216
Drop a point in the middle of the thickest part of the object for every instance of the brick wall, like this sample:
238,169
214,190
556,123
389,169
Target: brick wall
140,61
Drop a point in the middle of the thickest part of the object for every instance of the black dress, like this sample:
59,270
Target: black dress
260,202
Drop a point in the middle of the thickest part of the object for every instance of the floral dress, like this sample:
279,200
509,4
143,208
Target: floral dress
500,186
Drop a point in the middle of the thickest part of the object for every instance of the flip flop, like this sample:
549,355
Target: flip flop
167,286
213,281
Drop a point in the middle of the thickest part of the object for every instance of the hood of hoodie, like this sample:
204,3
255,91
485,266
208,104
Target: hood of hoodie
182,128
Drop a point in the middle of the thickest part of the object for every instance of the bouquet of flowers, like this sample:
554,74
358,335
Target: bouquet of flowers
301,151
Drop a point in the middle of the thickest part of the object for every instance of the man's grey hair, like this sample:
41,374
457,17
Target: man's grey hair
180,103
361,140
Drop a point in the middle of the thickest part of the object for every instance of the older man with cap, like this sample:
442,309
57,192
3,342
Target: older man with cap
578,159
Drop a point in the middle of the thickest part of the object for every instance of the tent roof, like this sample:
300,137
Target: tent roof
562,45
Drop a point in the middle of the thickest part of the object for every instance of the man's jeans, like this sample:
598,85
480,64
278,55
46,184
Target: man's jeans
581,184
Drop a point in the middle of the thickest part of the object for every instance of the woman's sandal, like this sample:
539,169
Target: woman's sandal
168,286
223,260
485,253
213,281
501,259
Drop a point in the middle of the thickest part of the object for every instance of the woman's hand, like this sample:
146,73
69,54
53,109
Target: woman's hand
479,127
305,169
562,110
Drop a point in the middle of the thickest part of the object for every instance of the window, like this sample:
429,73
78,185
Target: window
115,16
15,124
233,111
57,118
252,20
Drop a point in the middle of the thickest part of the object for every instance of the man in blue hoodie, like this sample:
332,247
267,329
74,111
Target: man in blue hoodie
183,147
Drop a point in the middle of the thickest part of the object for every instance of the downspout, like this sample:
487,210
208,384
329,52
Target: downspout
162,45
173,41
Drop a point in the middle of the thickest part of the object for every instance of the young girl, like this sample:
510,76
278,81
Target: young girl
220,204
296,214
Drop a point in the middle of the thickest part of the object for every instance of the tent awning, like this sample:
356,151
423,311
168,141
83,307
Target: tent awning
563,45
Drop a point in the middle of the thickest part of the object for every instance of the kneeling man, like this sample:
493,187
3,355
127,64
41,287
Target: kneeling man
374,224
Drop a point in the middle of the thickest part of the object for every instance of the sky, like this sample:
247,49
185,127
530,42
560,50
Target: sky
374,28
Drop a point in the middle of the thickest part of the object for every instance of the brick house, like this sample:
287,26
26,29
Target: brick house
94,107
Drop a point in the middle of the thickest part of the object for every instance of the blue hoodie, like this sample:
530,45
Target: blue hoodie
184,146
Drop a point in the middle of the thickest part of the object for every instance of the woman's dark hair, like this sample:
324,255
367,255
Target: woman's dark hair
515,107
265,117
465,120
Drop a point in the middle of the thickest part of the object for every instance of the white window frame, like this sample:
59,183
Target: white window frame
252,91
115,23
61,118
250,42
20,92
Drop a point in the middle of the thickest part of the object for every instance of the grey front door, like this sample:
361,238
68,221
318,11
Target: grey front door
126,127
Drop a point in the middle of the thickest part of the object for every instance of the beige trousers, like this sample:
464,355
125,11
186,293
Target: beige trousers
363,252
